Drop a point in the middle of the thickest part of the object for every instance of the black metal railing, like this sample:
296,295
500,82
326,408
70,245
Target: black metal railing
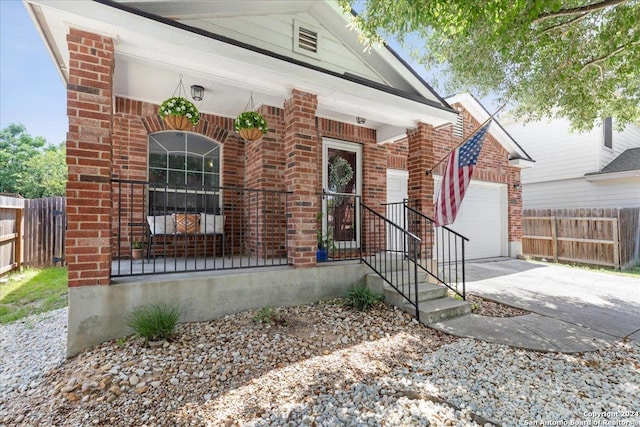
339,230
442,252
184,229
392,252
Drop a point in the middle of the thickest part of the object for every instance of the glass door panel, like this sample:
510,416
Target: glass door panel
342,169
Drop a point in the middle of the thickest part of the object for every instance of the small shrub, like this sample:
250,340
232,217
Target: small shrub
269,315
154,322
363,298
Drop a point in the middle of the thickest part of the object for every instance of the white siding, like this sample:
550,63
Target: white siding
579,193
563,158
628,138
275,33
558,153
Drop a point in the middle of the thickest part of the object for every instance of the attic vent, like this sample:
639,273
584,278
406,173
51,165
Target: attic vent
307,40
458,126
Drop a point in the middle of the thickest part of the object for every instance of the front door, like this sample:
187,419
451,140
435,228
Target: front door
342,185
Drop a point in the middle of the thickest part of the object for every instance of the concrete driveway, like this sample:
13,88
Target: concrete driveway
606,303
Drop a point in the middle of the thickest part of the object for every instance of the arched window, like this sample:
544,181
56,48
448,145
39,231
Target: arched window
184,173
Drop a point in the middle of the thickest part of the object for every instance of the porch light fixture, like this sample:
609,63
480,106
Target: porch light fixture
517,186
360,120
197,92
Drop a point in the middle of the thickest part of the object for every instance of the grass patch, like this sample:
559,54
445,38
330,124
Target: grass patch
32,291
155,321
269,315
362,298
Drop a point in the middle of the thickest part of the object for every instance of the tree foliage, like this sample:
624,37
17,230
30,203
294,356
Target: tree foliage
30,167
577,59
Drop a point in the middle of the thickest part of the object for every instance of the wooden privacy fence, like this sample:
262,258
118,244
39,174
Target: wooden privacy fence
11,214
44,231
607,237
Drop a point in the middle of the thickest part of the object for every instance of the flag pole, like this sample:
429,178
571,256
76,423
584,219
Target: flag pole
428,171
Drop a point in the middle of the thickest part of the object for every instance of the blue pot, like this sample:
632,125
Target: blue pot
322,255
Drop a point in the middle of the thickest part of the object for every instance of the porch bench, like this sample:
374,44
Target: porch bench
164,231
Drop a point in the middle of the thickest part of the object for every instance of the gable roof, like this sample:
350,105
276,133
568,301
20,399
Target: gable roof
236,49
517,156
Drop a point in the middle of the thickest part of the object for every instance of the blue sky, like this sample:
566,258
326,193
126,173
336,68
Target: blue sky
32,91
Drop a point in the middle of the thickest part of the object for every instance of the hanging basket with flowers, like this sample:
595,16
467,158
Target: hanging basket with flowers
249,124
179,113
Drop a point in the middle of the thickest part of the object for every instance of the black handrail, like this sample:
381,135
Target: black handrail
444,250
383,260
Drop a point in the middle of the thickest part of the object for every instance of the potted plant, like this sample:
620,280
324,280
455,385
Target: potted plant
137,249
179,113
250,125
324,243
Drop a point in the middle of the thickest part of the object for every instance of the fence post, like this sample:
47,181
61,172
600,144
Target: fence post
554,239
18,257
616,244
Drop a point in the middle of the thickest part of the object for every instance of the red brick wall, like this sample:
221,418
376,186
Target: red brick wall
397,154
420,143
265,165
89,158
301,148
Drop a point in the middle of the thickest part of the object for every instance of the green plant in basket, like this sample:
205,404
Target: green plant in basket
250,120
179,106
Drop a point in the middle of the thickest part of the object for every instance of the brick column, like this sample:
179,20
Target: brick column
421,158
420,189
264,166
514,197
89,157
302,150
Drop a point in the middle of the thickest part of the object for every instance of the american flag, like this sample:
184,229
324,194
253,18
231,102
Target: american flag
462,162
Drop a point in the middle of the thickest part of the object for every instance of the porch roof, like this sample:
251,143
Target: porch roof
152,51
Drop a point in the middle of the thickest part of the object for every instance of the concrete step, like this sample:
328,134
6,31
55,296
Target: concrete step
426,291
437,310
433,302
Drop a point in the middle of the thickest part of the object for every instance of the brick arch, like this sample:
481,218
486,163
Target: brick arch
154,123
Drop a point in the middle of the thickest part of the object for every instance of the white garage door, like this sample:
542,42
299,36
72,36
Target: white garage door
482,217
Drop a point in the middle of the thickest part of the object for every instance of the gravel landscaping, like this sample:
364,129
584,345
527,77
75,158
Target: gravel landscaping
327,365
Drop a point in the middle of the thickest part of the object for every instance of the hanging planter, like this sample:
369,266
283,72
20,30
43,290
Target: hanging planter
250,125
250,134
177,112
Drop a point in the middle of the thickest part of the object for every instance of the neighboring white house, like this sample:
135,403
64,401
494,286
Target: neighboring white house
597,169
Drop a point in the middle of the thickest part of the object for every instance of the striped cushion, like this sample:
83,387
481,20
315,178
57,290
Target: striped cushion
187,223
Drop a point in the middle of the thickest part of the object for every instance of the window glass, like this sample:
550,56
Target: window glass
189,166
608,132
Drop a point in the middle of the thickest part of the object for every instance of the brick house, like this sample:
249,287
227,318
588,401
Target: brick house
267,200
